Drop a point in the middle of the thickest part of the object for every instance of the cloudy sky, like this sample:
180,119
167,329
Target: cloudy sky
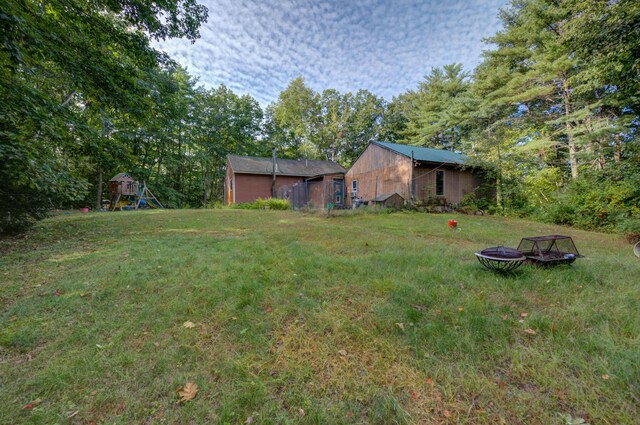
385,46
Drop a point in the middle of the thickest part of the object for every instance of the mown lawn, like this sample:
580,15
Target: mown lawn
306,319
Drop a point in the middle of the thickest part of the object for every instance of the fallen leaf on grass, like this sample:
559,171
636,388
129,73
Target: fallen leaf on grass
605,376
505,317
446,414
460,309
414,395
249,420
524,314
267,310
417,307
31,405
400,325
56,293
189,325
501,384
428,381
342,352
187,392
301,411
530,331
94,392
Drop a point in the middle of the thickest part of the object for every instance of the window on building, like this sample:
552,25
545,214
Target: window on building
354,185
439,183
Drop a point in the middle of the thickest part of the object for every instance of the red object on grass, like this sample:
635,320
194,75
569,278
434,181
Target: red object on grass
452,224
84,210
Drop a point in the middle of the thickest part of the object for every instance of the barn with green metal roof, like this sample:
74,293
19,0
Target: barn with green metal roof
414,173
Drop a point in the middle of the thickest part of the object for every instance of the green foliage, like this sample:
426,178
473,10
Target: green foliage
438,109
631,229
544,112
329,125
561,211
550,114
262,204
595,202
68,69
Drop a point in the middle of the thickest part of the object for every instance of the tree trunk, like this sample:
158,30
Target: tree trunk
179,176
160,159
206,184
573,161
99,196
616,148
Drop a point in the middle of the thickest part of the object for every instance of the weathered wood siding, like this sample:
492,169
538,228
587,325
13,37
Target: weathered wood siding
391,169
457,183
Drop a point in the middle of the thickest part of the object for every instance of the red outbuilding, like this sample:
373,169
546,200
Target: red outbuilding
305,183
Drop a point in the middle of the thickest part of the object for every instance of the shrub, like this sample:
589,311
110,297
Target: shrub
272,203
631,229
269,203
560,212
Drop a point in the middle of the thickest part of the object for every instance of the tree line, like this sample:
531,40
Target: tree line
551,111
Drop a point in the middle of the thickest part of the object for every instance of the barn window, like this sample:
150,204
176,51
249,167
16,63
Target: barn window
354,186
439,183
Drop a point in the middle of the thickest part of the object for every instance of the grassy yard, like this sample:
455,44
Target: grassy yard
306,319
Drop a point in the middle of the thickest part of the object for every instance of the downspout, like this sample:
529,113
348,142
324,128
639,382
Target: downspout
411,188
273,165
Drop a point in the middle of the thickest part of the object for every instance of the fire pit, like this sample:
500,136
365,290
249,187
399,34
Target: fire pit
500,258
549,250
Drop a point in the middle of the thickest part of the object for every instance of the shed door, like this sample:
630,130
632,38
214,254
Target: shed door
338,192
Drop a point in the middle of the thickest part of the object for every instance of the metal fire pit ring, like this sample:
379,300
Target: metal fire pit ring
500,258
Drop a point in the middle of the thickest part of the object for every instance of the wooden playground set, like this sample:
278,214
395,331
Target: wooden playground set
129,194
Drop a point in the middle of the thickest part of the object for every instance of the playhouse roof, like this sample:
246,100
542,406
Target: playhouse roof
121,177
425,154
284,167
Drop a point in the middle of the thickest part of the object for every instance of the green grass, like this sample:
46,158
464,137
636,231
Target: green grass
297,322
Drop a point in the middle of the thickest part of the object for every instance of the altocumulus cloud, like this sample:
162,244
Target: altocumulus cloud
258,46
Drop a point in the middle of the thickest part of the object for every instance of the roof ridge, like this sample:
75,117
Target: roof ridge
280,159
423,153
417,147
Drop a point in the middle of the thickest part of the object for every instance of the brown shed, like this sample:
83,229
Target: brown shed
434,174
249,178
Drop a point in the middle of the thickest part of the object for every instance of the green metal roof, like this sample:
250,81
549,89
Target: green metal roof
425,154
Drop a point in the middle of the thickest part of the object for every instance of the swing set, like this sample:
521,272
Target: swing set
129,194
